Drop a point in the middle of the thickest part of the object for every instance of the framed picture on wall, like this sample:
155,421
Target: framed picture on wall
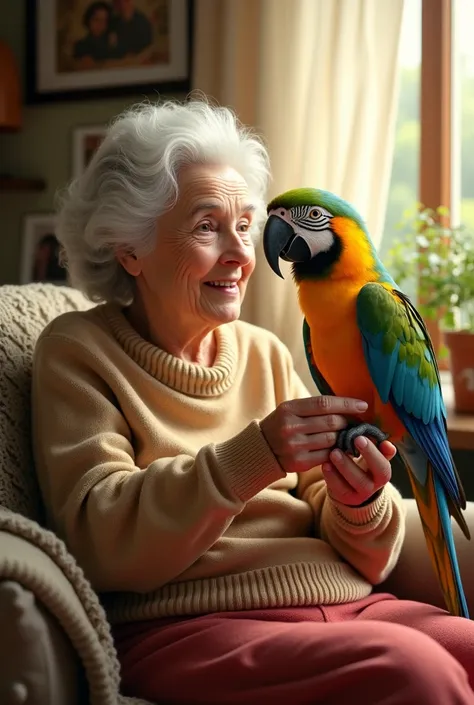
85,141
40,251
90,49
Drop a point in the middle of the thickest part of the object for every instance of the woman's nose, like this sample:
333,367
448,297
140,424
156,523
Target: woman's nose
236,249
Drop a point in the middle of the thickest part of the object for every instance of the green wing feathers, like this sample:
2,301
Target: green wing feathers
398,352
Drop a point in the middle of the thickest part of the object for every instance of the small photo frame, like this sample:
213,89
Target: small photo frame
40,251
85,141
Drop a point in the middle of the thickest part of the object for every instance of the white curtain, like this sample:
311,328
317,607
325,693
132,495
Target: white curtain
318,78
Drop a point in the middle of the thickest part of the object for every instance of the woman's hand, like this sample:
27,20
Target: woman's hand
355,482
302,432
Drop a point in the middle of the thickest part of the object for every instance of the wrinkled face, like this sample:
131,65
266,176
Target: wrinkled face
204,255
99,22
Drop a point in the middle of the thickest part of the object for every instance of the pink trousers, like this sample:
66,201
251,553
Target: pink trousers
377,651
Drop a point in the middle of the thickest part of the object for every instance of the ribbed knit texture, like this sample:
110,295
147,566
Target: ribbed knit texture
177,374
294,585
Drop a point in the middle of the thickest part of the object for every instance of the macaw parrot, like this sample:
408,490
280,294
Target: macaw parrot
364,338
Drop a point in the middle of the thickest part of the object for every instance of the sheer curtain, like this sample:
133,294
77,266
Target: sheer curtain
318,79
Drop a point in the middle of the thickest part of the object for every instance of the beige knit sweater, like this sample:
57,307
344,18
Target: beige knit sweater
156,474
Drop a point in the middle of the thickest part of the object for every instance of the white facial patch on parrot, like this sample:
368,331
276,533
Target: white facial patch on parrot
312,223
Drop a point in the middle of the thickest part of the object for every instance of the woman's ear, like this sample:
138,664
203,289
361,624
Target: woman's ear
129,262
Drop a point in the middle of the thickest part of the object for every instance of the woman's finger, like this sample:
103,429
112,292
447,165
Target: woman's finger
321,424
358,479
303,460
315,441
377,462
337,486
388,449
323,405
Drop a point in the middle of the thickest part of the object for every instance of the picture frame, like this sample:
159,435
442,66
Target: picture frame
40,251
85,141
81,49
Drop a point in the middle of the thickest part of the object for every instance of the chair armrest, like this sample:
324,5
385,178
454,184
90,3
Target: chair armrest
44,594
28,565
37,661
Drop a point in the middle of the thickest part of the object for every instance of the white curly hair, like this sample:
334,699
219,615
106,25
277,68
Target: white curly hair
132,179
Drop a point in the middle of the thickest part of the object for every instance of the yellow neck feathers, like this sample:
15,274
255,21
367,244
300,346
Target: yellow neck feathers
327,302
357,260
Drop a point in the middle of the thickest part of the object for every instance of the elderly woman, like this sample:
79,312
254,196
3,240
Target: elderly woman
188,469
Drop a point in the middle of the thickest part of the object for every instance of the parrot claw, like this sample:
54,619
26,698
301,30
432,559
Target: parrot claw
346,437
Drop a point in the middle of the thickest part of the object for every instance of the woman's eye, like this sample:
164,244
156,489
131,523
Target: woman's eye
205,227
244,227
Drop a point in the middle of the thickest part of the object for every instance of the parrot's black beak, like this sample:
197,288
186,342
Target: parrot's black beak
279,240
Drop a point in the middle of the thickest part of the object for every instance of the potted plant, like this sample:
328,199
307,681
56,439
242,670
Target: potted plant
439,259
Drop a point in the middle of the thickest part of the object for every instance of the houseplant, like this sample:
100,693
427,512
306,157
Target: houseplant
439,259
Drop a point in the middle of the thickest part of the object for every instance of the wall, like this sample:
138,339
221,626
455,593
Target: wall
41,149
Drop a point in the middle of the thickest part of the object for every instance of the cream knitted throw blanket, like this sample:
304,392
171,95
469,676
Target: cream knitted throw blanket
24,312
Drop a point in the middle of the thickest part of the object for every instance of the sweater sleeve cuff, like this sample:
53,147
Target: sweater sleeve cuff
353,518
248,462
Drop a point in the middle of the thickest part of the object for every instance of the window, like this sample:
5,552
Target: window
403,189
435,43
433,158
463,113
453,54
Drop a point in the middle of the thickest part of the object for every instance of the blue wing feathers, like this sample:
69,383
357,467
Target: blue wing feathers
392,377
398,382
380,365
410,389
427,409
433,441
391,373
418,403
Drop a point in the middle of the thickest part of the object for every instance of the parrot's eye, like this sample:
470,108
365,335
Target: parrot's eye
314,213
282,212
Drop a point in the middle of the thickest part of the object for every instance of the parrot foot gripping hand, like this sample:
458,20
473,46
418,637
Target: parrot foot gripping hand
346,437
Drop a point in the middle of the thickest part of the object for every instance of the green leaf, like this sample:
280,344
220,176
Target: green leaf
443,352
441,258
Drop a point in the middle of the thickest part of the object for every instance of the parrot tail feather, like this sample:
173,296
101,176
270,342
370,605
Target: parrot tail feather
434,509
458,517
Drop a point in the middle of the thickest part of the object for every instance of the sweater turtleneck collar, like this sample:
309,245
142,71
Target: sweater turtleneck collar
180,375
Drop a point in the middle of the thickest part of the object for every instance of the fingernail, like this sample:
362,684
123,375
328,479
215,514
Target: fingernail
362,406
336,455
361,442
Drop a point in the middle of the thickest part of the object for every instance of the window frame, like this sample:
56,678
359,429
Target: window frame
436,124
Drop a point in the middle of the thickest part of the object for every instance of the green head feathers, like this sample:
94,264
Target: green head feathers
317,197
